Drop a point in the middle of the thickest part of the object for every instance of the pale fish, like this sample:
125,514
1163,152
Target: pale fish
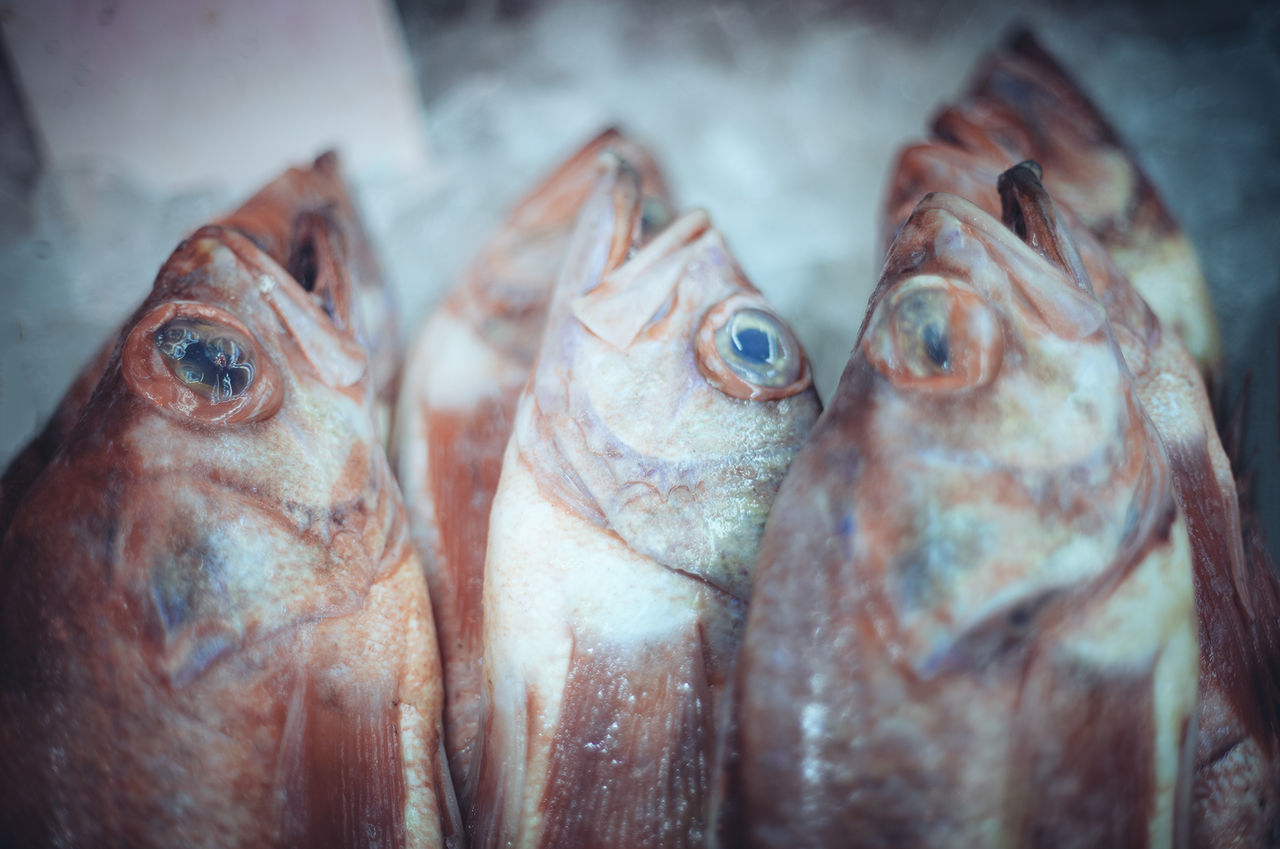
664,409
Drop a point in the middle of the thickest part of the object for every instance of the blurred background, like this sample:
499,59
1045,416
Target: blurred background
124,124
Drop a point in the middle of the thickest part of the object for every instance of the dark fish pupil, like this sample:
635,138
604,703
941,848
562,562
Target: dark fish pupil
753,344
216,366
936,345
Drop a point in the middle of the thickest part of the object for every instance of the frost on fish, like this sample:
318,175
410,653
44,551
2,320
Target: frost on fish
972,621
1239,617
1022,105
459,392
213,628
302,212
667,401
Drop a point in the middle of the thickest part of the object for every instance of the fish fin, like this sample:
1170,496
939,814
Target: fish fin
630,764
1092,781
468,447
340,779
629,298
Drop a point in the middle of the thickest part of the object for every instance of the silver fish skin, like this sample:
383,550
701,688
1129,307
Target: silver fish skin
972,621
213,628
665,407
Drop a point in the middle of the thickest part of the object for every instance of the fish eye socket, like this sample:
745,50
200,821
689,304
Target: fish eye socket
210,360
759,349
749,353
933,333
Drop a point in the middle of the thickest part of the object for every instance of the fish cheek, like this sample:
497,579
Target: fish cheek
215,570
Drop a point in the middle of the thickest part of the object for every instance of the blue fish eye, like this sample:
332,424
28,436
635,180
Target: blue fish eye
754,344
759,349
205,358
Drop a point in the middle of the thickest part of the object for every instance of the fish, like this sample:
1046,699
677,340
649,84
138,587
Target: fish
664,408
972,622
282,219
461,381
1023,105
1236,790
213,627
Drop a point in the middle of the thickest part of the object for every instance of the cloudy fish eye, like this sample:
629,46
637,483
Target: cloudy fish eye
922,320
759,349
208,358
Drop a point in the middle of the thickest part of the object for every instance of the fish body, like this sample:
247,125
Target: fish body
462,378
1236,793
666,403
1022,105
972,621
215,631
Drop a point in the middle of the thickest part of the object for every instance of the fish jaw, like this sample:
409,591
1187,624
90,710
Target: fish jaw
633,413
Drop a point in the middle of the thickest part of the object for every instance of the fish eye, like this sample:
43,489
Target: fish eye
209,359
747,352
923,331
199,361
932,333
759,349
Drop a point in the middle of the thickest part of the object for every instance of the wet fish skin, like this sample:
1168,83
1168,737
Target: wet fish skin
942,647
623,537
461,382
214,630
1236,792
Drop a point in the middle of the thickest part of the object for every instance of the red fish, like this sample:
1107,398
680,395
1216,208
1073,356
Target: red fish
214,629
972,620
1237,785
461,383
665,406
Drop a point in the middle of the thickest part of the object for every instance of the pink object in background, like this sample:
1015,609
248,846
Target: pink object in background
217,93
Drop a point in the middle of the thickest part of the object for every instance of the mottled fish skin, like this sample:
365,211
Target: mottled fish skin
281,219
213,628
1022,105
623,536
1237,786
461,382
972,620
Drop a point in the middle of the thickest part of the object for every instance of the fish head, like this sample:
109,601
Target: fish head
669,386
1005,457
509,280
228,460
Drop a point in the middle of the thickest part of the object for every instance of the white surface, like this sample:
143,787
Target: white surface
189,93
